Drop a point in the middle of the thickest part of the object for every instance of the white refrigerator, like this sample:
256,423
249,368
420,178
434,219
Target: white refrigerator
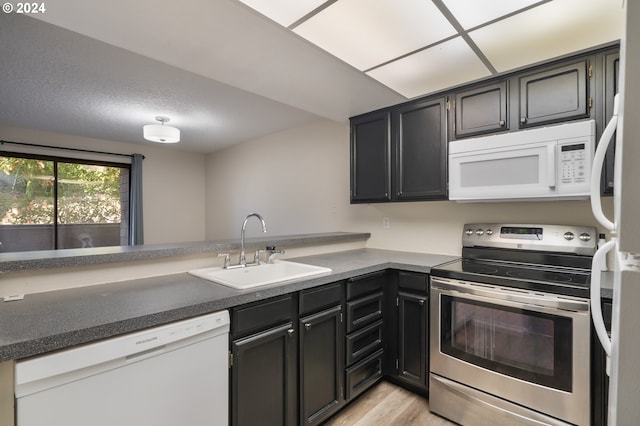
624,346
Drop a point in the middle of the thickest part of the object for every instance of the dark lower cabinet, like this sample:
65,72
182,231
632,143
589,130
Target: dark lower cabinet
263,378
407,331
413,364
365,332
599,378
321,365
362,375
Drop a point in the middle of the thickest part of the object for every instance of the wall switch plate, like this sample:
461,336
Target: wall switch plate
386,223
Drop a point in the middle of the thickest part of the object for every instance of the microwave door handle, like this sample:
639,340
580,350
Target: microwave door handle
551,166
596,171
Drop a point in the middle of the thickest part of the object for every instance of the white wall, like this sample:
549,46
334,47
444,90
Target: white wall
299,181
173,182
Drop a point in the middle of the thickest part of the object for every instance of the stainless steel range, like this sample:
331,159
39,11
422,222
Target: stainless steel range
510,327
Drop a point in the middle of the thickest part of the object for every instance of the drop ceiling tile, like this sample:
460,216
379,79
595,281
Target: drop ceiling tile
552,29
284,12
444,65
367,33
471,13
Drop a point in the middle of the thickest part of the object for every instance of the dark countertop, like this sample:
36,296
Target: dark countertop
44,259
45,322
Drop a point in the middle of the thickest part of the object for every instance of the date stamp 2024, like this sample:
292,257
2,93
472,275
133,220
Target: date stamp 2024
24,8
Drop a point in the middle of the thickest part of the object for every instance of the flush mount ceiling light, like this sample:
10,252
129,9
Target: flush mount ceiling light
160,132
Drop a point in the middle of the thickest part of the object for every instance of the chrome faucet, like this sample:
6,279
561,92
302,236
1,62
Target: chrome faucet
243,258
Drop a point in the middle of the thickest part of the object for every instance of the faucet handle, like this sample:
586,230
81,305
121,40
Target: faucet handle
271,252
227,259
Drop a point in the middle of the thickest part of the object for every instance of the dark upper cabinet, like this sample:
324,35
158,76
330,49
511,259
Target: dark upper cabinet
611,81
321,365
481,110
404,147
554,94
371,157
420,150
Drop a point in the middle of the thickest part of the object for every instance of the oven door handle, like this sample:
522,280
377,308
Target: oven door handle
510,296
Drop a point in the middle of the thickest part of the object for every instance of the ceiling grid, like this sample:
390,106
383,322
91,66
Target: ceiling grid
228,71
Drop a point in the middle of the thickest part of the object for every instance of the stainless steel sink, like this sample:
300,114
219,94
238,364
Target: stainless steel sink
263,274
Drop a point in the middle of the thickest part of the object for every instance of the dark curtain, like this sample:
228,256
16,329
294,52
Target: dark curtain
136,227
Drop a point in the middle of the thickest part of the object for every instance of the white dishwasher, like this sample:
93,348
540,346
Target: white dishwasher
176,374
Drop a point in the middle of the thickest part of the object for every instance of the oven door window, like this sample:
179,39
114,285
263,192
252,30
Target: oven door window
532,346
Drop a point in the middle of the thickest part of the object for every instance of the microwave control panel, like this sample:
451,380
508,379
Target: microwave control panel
573,163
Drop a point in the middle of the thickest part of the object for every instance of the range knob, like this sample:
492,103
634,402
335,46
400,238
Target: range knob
479,232
489,232
469,232
585,237
568,236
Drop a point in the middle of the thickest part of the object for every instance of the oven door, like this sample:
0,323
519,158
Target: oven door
528,348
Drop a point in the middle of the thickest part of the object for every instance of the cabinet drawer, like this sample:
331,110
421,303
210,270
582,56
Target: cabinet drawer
413,281
364,310
363,375
365,284
261,315
315,299
363,342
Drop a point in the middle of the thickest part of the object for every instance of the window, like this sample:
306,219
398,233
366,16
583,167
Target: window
51,203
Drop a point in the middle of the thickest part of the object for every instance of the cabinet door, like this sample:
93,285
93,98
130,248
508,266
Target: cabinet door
371,158
599,378
263,379
611,80
420,139
321,365
413,362
555,94
481,110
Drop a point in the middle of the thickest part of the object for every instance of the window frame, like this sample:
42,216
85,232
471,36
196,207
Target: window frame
74,160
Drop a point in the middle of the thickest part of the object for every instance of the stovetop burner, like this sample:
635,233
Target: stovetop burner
540,275
557,280
546,258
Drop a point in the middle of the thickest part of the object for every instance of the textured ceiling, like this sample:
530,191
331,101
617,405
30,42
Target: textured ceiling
225,73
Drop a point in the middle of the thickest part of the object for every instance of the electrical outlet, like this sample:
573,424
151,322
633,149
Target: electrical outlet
386,223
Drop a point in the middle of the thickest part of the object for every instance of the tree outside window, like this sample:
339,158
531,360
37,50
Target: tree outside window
53,203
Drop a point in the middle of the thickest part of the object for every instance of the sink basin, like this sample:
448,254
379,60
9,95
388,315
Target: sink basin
263,274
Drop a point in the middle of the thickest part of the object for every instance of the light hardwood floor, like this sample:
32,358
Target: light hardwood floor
388,405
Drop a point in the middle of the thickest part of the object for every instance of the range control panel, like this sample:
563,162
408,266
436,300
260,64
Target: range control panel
554,238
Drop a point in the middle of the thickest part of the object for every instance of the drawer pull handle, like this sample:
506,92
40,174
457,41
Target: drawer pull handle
421,302
307,326
290,332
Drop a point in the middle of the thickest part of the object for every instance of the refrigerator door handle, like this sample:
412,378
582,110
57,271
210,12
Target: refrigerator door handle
596,172
596,308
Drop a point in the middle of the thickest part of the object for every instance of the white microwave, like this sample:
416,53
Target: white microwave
539,164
